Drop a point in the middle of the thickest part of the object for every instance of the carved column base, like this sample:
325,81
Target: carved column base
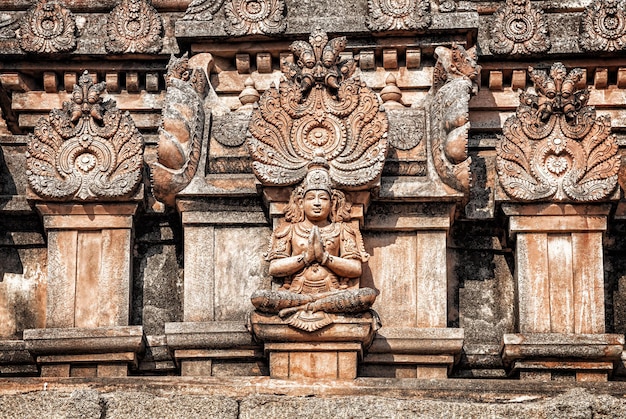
332,352
409,352
210,348
85,352
538,356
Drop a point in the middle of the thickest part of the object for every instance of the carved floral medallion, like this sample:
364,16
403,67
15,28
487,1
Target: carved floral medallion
555,148
254,17
181,130
519,28
454,82
88,150
603,26
47,27
319,109
202,9
134,26
386,15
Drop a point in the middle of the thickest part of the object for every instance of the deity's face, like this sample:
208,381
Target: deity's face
316,205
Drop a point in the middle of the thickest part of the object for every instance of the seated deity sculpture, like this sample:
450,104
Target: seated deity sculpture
319,255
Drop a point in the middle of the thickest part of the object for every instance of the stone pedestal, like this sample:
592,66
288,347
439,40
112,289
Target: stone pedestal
560,291
332,352
85,352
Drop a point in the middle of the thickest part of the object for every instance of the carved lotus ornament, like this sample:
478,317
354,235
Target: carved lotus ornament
47,27
555,148
386,15
603,26
86,151
519,28
134,26
318,110
254,17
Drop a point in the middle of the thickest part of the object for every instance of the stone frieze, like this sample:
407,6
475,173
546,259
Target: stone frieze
386,15
603,26
134,26
519,29
254,17
48,27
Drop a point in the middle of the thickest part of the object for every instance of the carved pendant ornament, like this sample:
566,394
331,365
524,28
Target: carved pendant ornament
47,27
254,17
455,81
181,130
88,150
389,15
519,28
319,109
603,26
203,10
555,148
134,26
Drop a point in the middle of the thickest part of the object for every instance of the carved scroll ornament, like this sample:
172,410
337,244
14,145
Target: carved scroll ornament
454,83
86,151
47,27
134,26
181,130
254,17
319,109
603,26
519,28
202,9
555,148
388,15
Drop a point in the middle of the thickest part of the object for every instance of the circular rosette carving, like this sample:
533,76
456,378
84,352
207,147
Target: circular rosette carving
387,15
47,27
309,135
134,26
517,28
604,26
251,17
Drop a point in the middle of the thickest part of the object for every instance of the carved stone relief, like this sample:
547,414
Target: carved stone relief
181,130
203,10
388,15
555,148
603,26
8,25
88,150
254,17
134,26
47,27
454,82
319,108
519,28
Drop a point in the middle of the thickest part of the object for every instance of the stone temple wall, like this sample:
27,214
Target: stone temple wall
148,154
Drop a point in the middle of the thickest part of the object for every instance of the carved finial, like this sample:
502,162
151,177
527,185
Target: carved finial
391,94
518,29
249,95
604,26
385,15
258,17
555,148
47,27
134,26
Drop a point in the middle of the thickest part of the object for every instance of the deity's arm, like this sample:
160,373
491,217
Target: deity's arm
351,255
345,268
282,263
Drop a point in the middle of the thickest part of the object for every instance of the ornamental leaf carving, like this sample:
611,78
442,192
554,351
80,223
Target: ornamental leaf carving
181,130
555,148
603,26
254,17
134,26
454,83
202,9
389,15
519,28
88,150
318,109
47,27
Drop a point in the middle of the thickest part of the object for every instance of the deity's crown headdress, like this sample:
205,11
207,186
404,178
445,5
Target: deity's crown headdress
318,175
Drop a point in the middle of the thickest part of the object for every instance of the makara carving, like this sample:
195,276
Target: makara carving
319,108
318,252
88,150
47,27
254,17
134,26
328,130
454,82
555,148
519,28
181,131
202,9
388,15
603,26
